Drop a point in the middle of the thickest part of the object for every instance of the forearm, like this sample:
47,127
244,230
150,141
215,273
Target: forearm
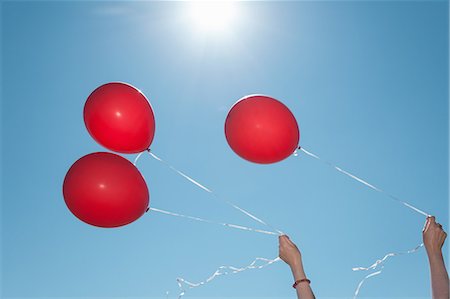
303,289
439,276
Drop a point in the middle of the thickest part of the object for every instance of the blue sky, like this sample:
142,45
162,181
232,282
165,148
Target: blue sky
367,82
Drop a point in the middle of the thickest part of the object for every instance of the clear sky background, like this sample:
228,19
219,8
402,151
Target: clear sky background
367,82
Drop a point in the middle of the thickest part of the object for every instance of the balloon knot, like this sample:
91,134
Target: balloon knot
148,150
148,209
299,147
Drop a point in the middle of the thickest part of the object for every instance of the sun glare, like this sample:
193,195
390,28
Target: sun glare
212,16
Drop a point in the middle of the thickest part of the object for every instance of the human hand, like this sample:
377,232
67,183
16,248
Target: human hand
289,252
433,236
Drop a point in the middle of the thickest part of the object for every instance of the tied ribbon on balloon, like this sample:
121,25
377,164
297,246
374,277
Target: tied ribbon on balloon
106,190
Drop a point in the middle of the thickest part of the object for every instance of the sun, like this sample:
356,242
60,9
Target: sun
212,16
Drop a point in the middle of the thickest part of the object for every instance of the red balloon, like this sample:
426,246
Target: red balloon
106,190
261,129
119,117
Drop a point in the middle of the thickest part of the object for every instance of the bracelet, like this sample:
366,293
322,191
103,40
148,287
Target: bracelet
299,281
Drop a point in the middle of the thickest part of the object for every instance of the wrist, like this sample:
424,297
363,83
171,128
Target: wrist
301,283
435,255
298,272
296,263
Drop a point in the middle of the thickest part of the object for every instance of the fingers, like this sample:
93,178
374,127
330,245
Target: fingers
432,224
427,223
283,239
290,242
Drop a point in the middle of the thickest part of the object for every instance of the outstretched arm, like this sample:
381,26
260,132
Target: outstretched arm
433,239
291,255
